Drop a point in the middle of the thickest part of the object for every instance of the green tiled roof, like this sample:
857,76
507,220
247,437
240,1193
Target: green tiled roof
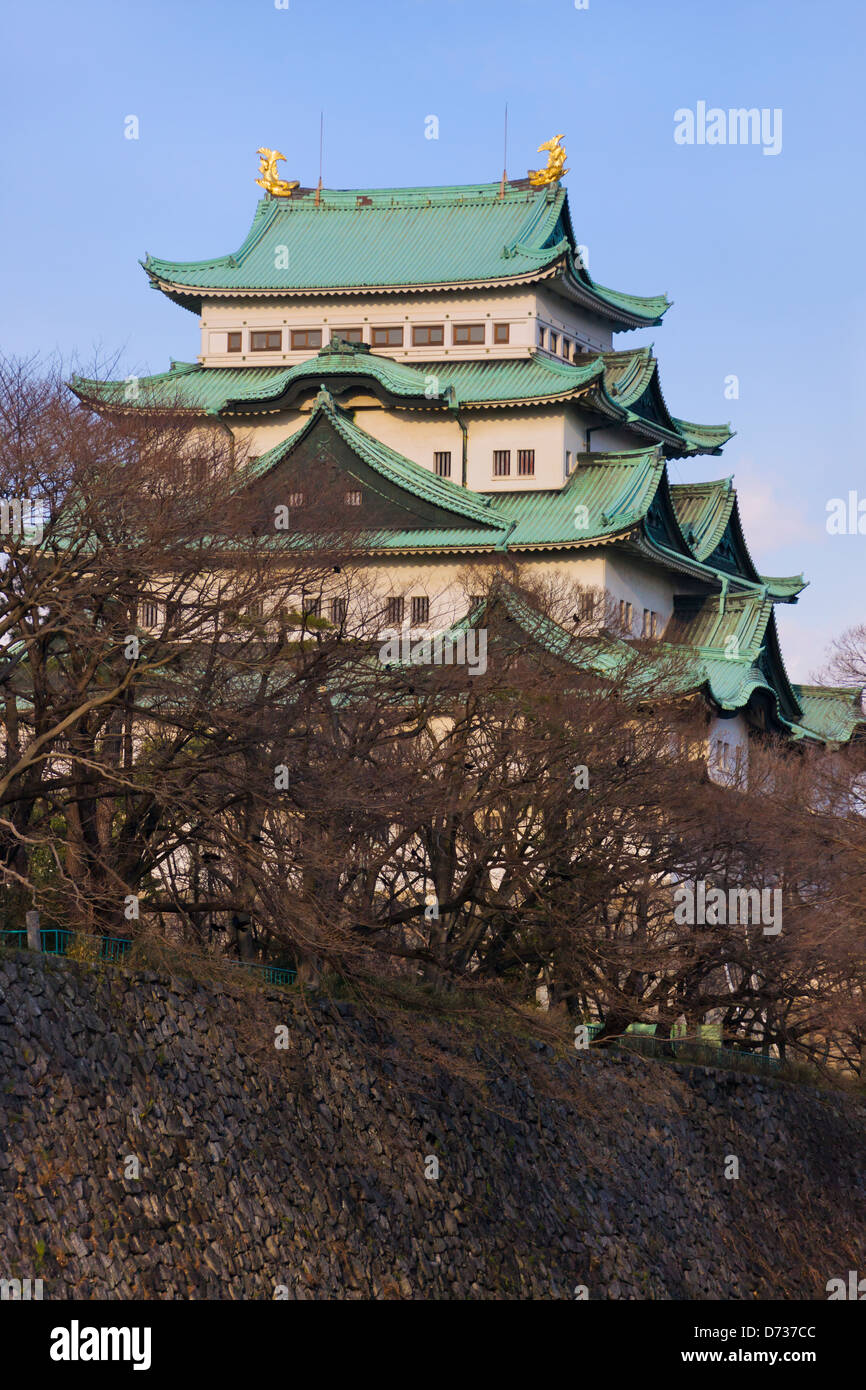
825,714
785,590
730,683
735,625
211,390
733,683
631,382
616,489
395,238
510,381
628,374
190,386
735,645
409,476
703,439
704,510
832,713
518,379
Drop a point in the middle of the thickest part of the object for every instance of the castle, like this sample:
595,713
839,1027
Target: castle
446,356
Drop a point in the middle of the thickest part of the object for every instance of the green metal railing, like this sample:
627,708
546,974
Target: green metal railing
703,1049
271,974
56,941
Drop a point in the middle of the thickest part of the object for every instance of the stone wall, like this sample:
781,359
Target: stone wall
308,1171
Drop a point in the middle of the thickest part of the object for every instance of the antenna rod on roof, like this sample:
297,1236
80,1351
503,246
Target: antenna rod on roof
321,142
504,156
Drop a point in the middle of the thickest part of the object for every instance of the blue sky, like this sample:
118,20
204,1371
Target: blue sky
762,254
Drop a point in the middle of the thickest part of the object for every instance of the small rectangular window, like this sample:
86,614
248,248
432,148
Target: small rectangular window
306,338
151,613
646,622
394,609
255,608
386,337
554,342
654,624
348,335
266,340
525,463
566,348
501,332
542,335
442,464
501,463
428,335
235,342
420,610
339,607
587,606
568,463
312,607
626,615
468,333
353,499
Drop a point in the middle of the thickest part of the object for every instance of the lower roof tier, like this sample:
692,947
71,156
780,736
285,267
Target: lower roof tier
622,500
619,389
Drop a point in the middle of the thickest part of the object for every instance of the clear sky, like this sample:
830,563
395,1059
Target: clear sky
762,254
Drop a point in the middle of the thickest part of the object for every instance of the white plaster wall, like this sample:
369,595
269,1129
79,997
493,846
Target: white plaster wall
735,733
516,307
573,435
256,438
605,441
415,435
542,430
564,316
418,436
641,585
522,308
449,581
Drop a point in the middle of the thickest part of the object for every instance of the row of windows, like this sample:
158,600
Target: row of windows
395,610
558,344
423,335
502,463
337,609
651,619
299,499
588,608
153,613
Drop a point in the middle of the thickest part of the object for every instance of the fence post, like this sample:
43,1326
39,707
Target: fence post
34,939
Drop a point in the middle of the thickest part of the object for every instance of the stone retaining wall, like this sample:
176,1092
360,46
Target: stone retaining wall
308,1171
